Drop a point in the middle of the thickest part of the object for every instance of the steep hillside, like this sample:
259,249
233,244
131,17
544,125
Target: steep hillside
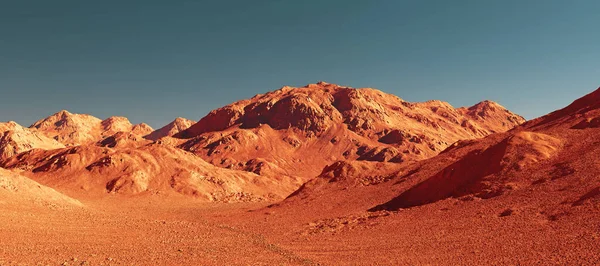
15,139
76,129
297,131
127,164
142,129
536,187
178,125
19,191
551,159
263,148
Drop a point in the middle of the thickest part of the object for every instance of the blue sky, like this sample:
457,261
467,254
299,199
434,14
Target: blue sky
153,61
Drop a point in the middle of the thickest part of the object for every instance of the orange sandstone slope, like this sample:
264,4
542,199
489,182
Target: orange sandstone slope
298,131
581,114
19,191
269,144
547,167
536,187
127,164
178,125
141,129
75,129
15,139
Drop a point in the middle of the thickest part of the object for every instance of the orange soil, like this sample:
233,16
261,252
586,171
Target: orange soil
530,195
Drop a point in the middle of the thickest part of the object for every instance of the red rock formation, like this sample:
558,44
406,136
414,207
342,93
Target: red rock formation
300,130
15,139
68,128
540,151
76,129
141,129
127,164
178,125
269,144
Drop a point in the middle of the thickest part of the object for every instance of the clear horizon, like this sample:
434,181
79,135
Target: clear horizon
153,61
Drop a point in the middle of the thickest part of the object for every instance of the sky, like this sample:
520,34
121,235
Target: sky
152,61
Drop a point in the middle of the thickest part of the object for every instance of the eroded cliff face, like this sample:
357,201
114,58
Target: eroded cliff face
76,129
297,131
261,148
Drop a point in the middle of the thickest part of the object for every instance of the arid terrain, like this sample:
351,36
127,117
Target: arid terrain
317,175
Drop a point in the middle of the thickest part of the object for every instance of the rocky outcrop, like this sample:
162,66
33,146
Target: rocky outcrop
178,125
314,124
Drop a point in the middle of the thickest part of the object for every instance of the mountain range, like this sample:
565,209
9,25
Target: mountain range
352,164
262,148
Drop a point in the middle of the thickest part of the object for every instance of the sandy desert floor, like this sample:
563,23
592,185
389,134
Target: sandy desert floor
173,231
